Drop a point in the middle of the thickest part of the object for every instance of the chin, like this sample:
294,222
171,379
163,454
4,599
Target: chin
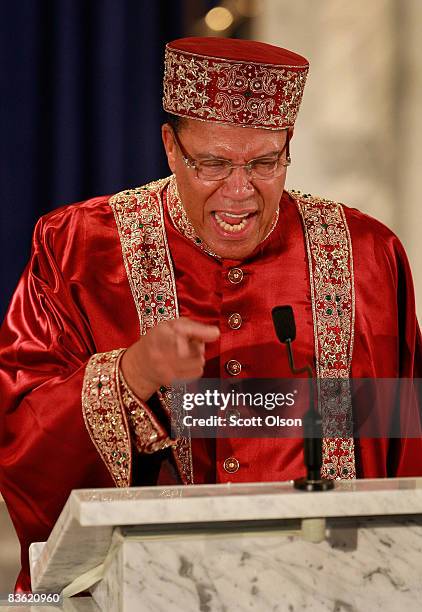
233,251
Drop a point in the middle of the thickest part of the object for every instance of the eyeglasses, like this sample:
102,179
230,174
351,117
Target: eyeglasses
219,169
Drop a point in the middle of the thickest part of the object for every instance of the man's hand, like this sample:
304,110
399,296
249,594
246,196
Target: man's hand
173,350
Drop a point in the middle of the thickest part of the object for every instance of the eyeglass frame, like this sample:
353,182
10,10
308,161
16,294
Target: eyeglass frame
191,162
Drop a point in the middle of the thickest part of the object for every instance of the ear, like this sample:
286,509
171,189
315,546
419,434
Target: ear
169,145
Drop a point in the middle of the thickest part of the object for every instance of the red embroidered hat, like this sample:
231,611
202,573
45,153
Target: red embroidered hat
226,80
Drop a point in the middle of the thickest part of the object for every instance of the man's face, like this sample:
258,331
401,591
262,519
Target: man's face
231,215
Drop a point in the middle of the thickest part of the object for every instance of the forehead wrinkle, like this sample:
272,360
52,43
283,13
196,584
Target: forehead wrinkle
234,144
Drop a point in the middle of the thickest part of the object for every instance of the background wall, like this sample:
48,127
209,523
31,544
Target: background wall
359,132
80,108
9,551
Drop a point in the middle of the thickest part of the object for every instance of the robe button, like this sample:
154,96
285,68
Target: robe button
231,465
233,367
235,320
233,412
235,275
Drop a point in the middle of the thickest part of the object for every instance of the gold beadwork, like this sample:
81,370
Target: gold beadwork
147,434
104,418
222,91
182,223
139,218
330,263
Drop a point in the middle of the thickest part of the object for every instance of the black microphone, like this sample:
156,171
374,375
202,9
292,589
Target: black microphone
284,323
285,329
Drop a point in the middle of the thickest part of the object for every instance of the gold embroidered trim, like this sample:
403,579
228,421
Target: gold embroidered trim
219,59
181,220
104,419
139,218
330,260
223,91
147,434
172,402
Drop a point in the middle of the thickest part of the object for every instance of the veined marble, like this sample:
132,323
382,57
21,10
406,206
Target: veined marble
363,566
152,505
77,604
223,516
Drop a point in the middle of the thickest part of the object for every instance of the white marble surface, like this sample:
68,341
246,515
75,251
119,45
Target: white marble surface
70,551
35,551
109,594
203,503
372,567
76,604
82,535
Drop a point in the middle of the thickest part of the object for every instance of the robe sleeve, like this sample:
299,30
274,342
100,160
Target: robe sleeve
405,454
401,359
409,333
62,405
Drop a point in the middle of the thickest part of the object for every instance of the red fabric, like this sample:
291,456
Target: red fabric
233,81
53,326
277,273
238,50
271,277
74,300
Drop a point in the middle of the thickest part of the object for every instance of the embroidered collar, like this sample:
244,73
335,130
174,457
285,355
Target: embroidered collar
182,223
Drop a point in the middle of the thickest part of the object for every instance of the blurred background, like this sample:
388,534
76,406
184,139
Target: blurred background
80,111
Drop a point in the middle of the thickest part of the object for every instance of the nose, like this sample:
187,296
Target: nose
238,185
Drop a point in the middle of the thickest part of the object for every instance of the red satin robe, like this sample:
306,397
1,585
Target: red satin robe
74,300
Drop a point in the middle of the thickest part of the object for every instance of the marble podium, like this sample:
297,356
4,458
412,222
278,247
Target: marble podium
261,546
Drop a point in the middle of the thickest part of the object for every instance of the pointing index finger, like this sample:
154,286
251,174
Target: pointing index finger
197,331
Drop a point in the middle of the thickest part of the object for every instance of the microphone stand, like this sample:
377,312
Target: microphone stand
312,436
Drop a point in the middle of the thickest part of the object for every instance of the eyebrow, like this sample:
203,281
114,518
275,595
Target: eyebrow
202,156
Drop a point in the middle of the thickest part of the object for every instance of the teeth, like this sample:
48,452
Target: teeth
232,228
236,216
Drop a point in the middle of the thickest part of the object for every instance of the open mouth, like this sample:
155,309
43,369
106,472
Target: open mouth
233,222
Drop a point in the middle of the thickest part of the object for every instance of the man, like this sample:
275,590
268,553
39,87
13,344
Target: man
177,279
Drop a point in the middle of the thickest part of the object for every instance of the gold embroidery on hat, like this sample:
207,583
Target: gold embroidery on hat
243,93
